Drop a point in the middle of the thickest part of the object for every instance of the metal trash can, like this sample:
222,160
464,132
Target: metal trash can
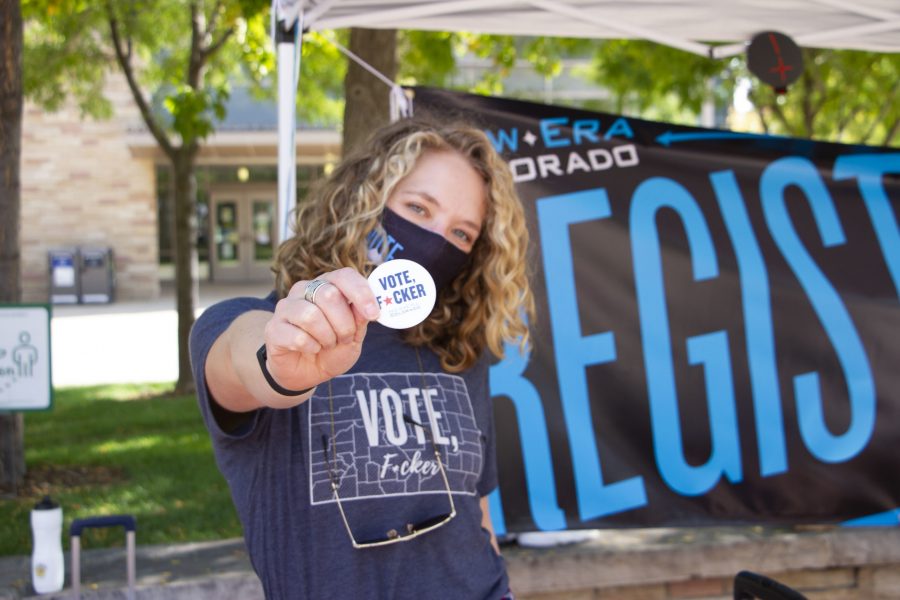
64,280
96,275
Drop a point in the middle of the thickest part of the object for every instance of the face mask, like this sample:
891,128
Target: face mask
407,240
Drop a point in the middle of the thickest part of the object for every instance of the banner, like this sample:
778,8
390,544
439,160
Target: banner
718,328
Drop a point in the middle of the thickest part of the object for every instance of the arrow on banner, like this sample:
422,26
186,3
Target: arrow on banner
668,138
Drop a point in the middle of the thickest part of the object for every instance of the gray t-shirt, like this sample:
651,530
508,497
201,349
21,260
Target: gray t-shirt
279,465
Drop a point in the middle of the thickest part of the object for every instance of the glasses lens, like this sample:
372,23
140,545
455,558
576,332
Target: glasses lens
431,522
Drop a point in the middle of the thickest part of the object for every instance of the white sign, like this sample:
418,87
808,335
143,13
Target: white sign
25,358
405,293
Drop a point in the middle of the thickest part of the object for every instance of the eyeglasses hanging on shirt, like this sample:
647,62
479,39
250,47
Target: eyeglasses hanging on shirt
408,531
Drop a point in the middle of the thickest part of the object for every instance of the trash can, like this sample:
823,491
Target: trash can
97,277
64,280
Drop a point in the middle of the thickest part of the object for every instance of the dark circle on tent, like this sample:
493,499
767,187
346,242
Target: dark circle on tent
775,58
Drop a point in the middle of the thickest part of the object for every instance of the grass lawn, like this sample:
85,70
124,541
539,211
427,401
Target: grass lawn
121,449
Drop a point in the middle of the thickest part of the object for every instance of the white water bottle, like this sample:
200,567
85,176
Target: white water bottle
47,564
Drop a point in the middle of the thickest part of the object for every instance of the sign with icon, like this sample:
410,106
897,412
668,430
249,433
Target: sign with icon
25,358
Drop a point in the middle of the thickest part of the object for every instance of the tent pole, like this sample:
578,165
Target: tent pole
286,45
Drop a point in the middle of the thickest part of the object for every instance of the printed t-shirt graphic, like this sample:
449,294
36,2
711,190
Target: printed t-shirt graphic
378,453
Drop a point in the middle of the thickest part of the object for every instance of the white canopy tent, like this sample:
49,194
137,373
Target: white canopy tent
714,28
687,24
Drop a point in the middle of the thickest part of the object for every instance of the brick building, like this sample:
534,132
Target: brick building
90,183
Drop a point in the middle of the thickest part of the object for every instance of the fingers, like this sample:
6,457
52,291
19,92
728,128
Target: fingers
338,313
310,342
355,289
342,309
282,334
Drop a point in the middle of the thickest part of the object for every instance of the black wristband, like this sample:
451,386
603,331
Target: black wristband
261,357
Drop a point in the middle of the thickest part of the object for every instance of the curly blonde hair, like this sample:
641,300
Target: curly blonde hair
488,304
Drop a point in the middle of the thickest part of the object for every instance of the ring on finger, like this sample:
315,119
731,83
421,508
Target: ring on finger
311,288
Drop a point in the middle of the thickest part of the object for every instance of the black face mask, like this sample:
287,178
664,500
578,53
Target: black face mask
407,240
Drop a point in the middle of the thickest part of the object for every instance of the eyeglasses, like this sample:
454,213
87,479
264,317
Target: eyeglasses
410,530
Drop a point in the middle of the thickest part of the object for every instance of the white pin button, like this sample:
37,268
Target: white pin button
405,293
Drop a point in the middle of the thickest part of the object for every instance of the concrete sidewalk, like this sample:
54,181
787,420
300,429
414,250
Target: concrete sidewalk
126,342
207,570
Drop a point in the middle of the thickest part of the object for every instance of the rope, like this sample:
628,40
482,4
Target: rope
292,10
401,104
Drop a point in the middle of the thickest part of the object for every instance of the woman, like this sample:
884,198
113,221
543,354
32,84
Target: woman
359,457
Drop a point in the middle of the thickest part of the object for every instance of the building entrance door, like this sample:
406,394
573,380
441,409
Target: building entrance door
242,243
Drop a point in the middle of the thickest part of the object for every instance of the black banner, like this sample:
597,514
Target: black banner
718,330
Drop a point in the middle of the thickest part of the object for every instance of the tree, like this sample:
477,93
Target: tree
843,95
654,81
176,58
429,58
366,99
12,455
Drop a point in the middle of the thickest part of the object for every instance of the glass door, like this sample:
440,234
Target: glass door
262,211
242,240
226,234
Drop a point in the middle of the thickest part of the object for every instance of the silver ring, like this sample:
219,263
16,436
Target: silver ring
311,288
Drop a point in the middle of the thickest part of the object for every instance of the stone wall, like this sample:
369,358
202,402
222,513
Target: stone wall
662,564
81,186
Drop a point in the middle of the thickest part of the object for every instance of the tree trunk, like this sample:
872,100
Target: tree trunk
12,451
368,98
12,448
185,261
10,147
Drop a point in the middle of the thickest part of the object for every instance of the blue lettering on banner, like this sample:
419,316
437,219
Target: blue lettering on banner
800,172
586,129
583,130
551,133
711,349
504,139
869,170
758,329
507,379
495,507
573,353
890,518
621,128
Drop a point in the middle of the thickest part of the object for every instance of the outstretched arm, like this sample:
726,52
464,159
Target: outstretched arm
306,343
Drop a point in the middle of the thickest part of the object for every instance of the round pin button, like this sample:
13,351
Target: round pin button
405,293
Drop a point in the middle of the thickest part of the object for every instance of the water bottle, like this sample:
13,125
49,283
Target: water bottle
47,566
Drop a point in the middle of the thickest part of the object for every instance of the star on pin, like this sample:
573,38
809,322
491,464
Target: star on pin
529,138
